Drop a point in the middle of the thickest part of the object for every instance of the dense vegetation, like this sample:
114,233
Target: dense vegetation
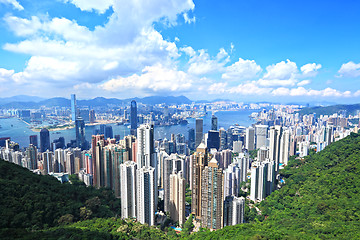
350,109
33,201
319,200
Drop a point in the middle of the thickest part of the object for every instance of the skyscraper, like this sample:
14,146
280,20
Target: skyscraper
108,132
233,210
177,198
198,131
133,117
80,133
73,108
34,140
261,135
250,139
128,189
146,195
191,141
146,155
92,116
212,196
213,140
214,123
44,140
31,153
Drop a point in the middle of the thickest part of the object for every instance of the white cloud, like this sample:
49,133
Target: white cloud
300,91
350,69
310,69
276,82
201,63
188,19
242,69
303,83
188,50
14,3
6,75
281,71
249,88
92,5
153,79
217,88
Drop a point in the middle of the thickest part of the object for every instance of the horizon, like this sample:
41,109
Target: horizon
246,51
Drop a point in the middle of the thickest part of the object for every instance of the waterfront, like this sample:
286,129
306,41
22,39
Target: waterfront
19,131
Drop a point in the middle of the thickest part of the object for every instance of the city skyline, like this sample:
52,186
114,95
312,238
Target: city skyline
255,51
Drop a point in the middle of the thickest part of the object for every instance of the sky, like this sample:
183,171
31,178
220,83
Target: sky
249,51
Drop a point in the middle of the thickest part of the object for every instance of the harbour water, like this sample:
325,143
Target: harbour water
19,131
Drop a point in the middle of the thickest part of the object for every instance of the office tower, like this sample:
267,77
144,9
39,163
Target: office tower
58,143
92,116
73,108
223,138
44,140
108,132
80,132
229,140
146,155
212,196
146,195
262,180
250,139
128,189
213,140
70,162
284,147
198,131
233,210
133,118
261,135
243,164
34,140
172,163
275,134
59,161
237,146
31,153
97,142
199,161
214,123
177,198
84,114
226,156
47,158
231,180
191,141
129,141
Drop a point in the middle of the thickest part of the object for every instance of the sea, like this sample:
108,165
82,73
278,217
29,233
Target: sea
19,131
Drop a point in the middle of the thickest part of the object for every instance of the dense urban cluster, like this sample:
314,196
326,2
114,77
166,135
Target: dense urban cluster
153,177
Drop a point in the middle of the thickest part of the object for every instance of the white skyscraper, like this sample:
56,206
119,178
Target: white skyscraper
233,210
250,139
262,180
231,180
146,195
261,135
128,189
284,147
146,155
177,197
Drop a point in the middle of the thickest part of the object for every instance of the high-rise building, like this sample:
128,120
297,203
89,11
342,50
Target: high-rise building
34,140
233,210
214,123
133,118
70,162
275,134
97,141
128,189
231,180
80,133
191,141
73,108
199,161
284,147
92,116
250,139
198,131
261,135
59,161
177,198
47,158
31,153
108,132
213,140
212,196
44,140
146,195
146,155
262,180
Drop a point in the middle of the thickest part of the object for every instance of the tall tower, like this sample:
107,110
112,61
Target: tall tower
212,196
198,131
146,155
80,133
73,108
177,198
128,189
44,140
261,135
133,117
233,210
250,139
214,123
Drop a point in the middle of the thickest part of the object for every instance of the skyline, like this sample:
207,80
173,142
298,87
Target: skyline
243,51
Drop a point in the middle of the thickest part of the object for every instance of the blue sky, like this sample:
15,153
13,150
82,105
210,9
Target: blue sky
281,51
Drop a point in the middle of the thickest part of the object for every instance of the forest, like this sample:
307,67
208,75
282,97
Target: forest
320,199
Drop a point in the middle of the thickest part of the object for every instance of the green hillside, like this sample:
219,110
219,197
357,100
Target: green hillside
350,109
320,200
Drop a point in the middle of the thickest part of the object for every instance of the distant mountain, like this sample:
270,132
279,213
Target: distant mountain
21,98
96,102
350,109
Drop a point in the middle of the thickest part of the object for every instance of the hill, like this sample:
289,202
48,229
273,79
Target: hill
350,109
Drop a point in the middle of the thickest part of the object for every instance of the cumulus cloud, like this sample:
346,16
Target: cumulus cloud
6,75
156,78
201,63
310,69
249,88
92,5
217,88
189,19
349,69
300,91
14,3
303,83
242,69
281,71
